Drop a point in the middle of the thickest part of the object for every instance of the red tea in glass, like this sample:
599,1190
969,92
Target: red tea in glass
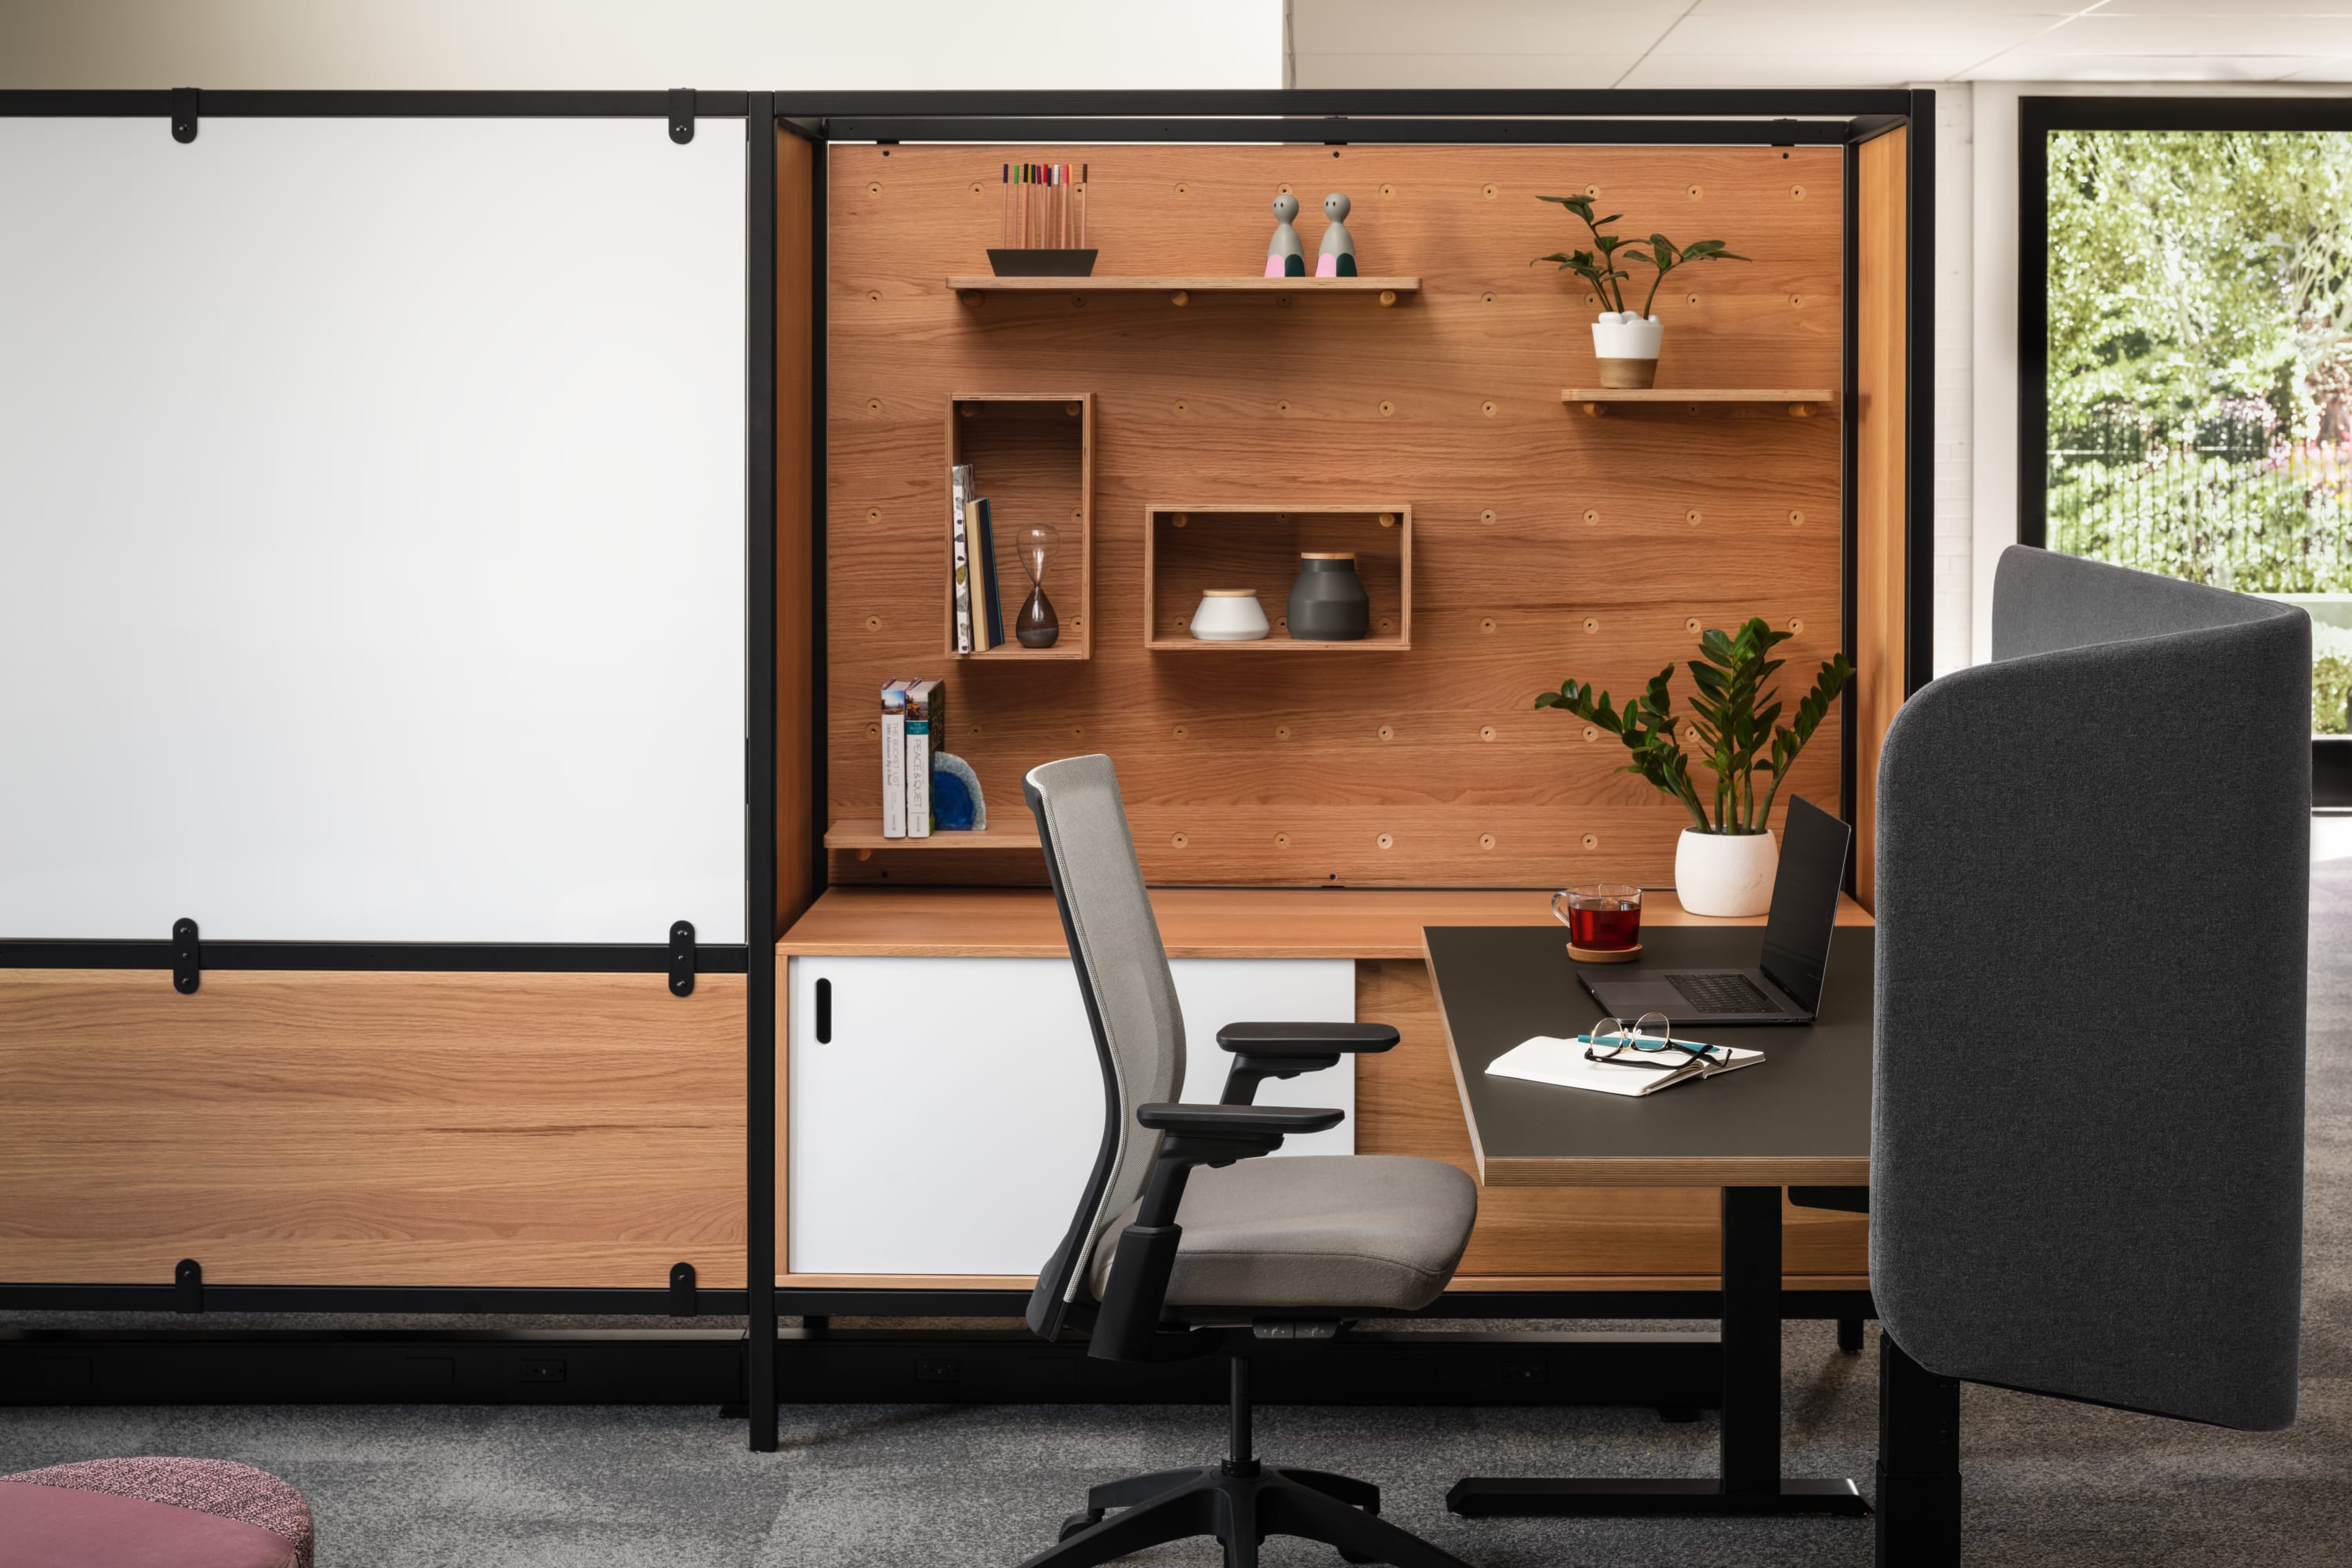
1601,917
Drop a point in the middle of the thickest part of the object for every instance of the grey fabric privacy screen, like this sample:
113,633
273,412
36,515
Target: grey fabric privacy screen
2087,1160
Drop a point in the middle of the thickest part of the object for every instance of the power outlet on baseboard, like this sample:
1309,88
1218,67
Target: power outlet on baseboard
542,1372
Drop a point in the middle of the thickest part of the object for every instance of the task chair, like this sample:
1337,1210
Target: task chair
1186,1243
2086,1148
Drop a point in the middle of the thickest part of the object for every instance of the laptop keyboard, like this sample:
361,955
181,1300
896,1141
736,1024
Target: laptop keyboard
1721,993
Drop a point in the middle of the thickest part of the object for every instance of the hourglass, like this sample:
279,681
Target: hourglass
1038,626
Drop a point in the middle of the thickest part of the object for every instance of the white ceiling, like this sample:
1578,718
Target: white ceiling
1813,43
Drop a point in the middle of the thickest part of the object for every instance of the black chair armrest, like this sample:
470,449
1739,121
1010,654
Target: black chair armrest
1236,1120
1126,1328
1306,1039
1262,1051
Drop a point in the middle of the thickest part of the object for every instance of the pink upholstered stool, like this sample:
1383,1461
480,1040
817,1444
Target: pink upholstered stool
152,1513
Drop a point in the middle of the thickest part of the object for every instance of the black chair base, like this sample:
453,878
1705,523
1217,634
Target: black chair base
1241,1505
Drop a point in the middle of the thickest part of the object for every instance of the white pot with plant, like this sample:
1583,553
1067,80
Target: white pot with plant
1724,863
1626,342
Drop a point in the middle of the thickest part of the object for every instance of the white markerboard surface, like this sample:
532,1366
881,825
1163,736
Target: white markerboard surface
372,530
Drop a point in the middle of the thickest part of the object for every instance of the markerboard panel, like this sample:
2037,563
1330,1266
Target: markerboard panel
371,508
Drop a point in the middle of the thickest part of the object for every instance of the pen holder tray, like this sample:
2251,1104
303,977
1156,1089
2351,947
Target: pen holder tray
1071,263
1604,954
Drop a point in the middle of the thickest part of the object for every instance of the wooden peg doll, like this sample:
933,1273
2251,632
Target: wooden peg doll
1338,259
1285,257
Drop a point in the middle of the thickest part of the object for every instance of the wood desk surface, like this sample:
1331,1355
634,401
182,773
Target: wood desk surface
1194,922
1800,1116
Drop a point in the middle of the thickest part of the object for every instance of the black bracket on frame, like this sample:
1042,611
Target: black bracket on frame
681,958
187,967
185,102
681,115
682,1302
188,1286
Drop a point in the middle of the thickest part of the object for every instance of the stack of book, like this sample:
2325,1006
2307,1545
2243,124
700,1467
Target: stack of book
912,713
979,612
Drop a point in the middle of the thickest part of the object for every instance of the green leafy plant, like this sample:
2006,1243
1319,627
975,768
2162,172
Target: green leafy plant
1735,723
1600,265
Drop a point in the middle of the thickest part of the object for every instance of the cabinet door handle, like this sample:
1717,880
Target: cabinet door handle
824,1012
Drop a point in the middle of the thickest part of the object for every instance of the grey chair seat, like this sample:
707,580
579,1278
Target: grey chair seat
1371,1231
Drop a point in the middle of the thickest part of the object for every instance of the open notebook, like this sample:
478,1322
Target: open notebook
1550,1059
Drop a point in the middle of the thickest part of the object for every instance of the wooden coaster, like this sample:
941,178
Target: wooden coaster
1604,954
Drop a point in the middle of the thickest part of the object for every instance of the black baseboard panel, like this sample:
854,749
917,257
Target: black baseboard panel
1674,1370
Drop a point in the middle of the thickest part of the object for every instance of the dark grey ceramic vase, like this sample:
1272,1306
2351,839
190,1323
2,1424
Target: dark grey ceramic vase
1328,601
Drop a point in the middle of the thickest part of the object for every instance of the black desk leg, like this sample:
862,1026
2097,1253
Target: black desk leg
1919,1463
1750,1481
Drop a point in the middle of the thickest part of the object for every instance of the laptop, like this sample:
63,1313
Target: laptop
1786,987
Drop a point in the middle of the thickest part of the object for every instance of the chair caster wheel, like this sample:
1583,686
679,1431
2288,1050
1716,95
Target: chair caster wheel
1084,1520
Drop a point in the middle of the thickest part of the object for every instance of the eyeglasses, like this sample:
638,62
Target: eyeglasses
1629,1042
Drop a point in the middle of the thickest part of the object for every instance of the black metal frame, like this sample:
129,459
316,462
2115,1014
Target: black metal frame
2331,756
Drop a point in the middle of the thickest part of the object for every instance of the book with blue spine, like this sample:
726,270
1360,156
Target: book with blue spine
992,608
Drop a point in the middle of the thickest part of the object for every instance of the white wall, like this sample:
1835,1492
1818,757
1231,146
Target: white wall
753,45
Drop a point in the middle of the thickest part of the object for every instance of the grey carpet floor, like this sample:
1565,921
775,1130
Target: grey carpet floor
2047,1483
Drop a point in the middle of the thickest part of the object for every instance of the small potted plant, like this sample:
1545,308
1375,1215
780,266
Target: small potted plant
1724,864
1626,341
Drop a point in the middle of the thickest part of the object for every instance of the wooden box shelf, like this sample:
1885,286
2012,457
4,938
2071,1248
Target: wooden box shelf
864,835
1189,547
1799,401
1180,290
1033,456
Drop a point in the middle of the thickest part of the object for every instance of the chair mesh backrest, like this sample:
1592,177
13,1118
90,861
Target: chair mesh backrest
1123,973
2093,881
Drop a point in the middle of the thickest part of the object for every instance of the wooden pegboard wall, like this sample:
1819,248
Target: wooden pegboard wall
1547,543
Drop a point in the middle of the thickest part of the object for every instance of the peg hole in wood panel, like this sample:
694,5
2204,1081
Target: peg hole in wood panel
1592,190
1388,190
1490,193
1485,841
874,296
1487,515
1691,624
1282,301
1590,733
1796,299
1078,300
1283,190
1591,624
873,406
1282,841
1179,407
1282,407
1180,732
1282,621
1385,841
975,188
1691,516
1696,192
872,514
1592,841
1177,839
1795,518
874,730
975,728
1486,624
1281,732
1387,408
973,297
874,188
1077,732
1182,190
1486,732
1796,192
1486,299
1690,408
1387,624
873,622
1692,298
1592,299
1388,732
1487,408
1590,515
1795,624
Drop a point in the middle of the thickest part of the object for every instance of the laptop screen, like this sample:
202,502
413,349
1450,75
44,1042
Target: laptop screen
1804,901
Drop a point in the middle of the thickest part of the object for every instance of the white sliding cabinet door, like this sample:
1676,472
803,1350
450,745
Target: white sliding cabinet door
947,1123
371,509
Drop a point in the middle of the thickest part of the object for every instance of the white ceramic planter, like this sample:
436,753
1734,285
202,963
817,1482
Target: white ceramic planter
1230,615
1726,874
1626,344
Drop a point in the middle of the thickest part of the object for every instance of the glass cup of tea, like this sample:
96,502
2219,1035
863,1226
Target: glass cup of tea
1601,917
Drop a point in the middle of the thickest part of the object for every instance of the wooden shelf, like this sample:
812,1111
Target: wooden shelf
1189,546
1180,290
864,834
1033,456
1801,401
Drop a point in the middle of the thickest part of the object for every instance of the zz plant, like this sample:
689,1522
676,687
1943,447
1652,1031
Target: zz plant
1735,721
1600,266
